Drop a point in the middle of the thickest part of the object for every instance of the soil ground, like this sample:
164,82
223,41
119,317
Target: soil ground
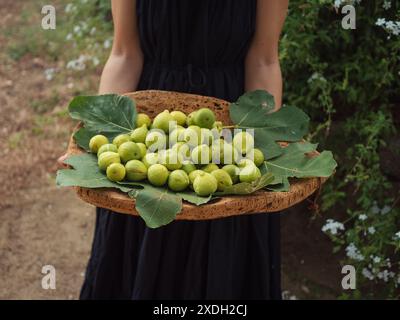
43,225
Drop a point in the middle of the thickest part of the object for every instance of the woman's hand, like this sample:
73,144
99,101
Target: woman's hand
60,161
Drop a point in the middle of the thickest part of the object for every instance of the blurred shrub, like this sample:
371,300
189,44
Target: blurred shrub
348,81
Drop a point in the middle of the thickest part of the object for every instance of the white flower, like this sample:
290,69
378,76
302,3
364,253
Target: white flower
375,209
49,73
363,217
84,25
387,5
287,296
95,61
386,209
78,64
69,7
385,275
397,236
68,37
353,253
376,259
380,22
107,44
367,274
371,230
316,76
338,3
93,31
332,226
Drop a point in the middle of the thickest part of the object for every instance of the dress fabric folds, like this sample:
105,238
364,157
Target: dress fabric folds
196,47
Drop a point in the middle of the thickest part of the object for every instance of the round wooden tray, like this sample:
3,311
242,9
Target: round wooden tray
152,102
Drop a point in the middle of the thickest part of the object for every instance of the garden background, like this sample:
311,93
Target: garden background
347,80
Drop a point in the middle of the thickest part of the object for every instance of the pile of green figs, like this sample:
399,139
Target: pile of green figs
180,151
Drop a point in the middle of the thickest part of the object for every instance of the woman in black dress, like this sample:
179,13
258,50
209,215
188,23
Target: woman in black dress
219,48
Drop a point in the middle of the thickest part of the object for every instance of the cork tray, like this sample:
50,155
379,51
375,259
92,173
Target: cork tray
152,102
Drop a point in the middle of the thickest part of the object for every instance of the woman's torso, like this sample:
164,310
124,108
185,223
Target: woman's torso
195,46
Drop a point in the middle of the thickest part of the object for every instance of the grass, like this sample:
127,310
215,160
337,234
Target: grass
40,122
15,139
47,104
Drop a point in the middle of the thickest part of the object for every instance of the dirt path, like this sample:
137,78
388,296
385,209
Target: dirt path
43,225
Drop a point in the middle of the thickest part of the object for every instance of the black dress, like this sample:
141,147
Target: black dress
199,47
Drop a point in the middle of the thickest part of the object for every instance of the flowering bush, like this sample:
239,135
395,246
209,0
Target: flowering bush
348,80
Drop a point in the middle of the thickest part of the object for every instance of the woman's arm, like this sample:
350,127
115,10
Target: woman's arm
122,71
262,68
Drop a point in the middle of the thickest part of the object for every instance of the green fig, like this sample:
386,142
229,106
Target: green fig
188,167
204,118
156,140
179,117
228,154
233,171
193,175
150,159
190,119
210,167
107,147
205,184
192,135
224,180
116,172
107,158
157,175
249,173
143,149
258,157
207,136
218,126
139,134
243,141
96,142
129,151
170,159
142,119
178,180
120,139
163,121
201,154
177,135
135,170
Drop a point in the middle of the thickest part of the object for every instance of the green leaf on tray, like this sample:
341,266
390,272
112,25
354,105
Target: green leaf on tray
85,173
254,110
295,162
193,198
157,206
243,188
111,113
82,138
